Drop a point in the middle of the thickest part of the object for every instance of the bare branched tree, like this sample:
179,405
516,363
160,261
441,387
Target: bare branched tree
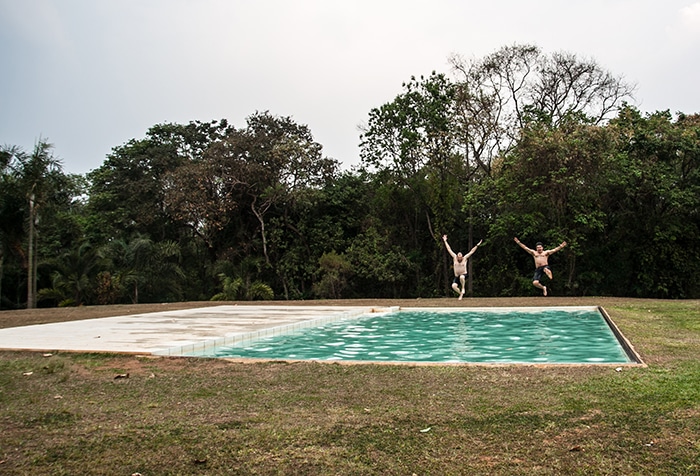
517,84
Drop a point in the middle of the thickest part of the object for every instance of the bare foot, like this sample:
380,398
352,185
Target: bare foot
544,290
461,295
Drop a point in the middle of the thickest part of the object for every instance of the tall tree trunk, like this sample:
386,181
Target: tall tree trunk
35,261
2,269
31,278
470,281
259,216
471,245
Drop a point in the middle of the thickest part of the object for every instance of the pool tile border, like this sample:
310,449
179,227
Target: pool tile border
199,349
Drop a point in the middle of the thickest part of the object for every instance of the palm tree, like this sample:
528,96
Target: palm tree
72,280
35,174
140,263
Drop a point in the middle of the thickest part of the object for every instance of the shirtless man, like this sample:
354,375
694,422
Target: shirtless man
459,264
541,263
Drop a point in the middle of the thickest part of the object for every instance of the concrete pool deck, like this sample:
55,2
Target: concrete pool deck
159,332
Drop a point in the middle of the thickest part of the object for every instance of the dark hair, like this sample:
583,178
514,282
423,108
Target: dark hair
539,243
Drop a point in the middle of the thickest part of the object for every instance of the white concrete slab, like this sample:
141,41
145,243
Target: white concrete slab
157,332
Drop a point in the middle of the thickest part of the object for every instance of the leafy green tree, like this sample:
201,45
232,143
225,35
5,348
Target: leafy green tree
411,144
551,189
282,160
334,270
12,205
128,195
317,221
202,195
653,202
624,196
247,270
127,192
246,183
381,268
412,136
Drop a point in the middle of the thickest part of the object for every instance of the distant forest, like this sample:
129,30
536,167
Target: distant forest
543,147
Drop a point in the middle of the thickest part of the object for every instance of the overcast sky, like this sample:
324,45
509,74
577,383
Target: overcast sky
89,75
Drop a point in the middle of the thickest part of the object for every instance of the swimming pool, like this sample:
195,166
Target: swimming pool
462,335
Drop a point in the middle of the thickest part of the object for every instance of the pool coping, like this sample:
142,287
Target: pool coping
624,342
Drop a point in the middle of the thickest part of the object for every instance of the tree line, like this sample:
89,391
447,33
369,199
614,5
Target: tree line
545,147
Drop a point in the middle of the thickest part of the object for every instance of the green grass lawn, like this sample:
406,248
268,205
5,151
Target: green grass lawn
66,414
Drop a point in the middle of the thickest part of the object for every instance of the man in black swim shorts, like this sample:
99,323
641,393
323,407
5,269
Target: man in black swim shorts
541,262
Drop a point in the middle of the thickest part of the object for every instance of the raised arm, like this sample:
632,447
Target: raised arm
473,250
532,252
447,245
554,250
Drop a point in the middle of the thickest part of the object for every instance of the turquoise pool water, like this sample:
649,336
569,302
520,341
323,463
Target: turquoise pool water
460,336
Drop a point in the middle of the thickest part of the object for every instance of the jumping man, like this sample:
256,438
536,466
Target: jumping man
541,262
459,264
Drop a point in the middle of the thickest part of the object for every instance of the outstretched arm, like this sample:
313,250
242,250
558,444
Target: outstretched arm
447,245
473,250
532,252
554,250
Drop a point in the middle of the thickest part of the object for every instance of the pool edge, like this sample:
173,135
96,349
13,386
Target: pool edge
627,346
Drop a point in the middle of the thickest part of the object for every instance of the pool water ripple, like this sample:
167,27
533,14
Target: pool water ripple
485,336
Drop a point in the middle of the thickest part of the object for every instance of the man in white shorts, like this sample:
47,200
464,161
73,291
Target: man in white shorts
459,263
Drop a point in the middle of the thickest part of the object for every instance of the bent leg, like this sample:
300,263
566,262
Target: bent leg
461,280
537,284
548,272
